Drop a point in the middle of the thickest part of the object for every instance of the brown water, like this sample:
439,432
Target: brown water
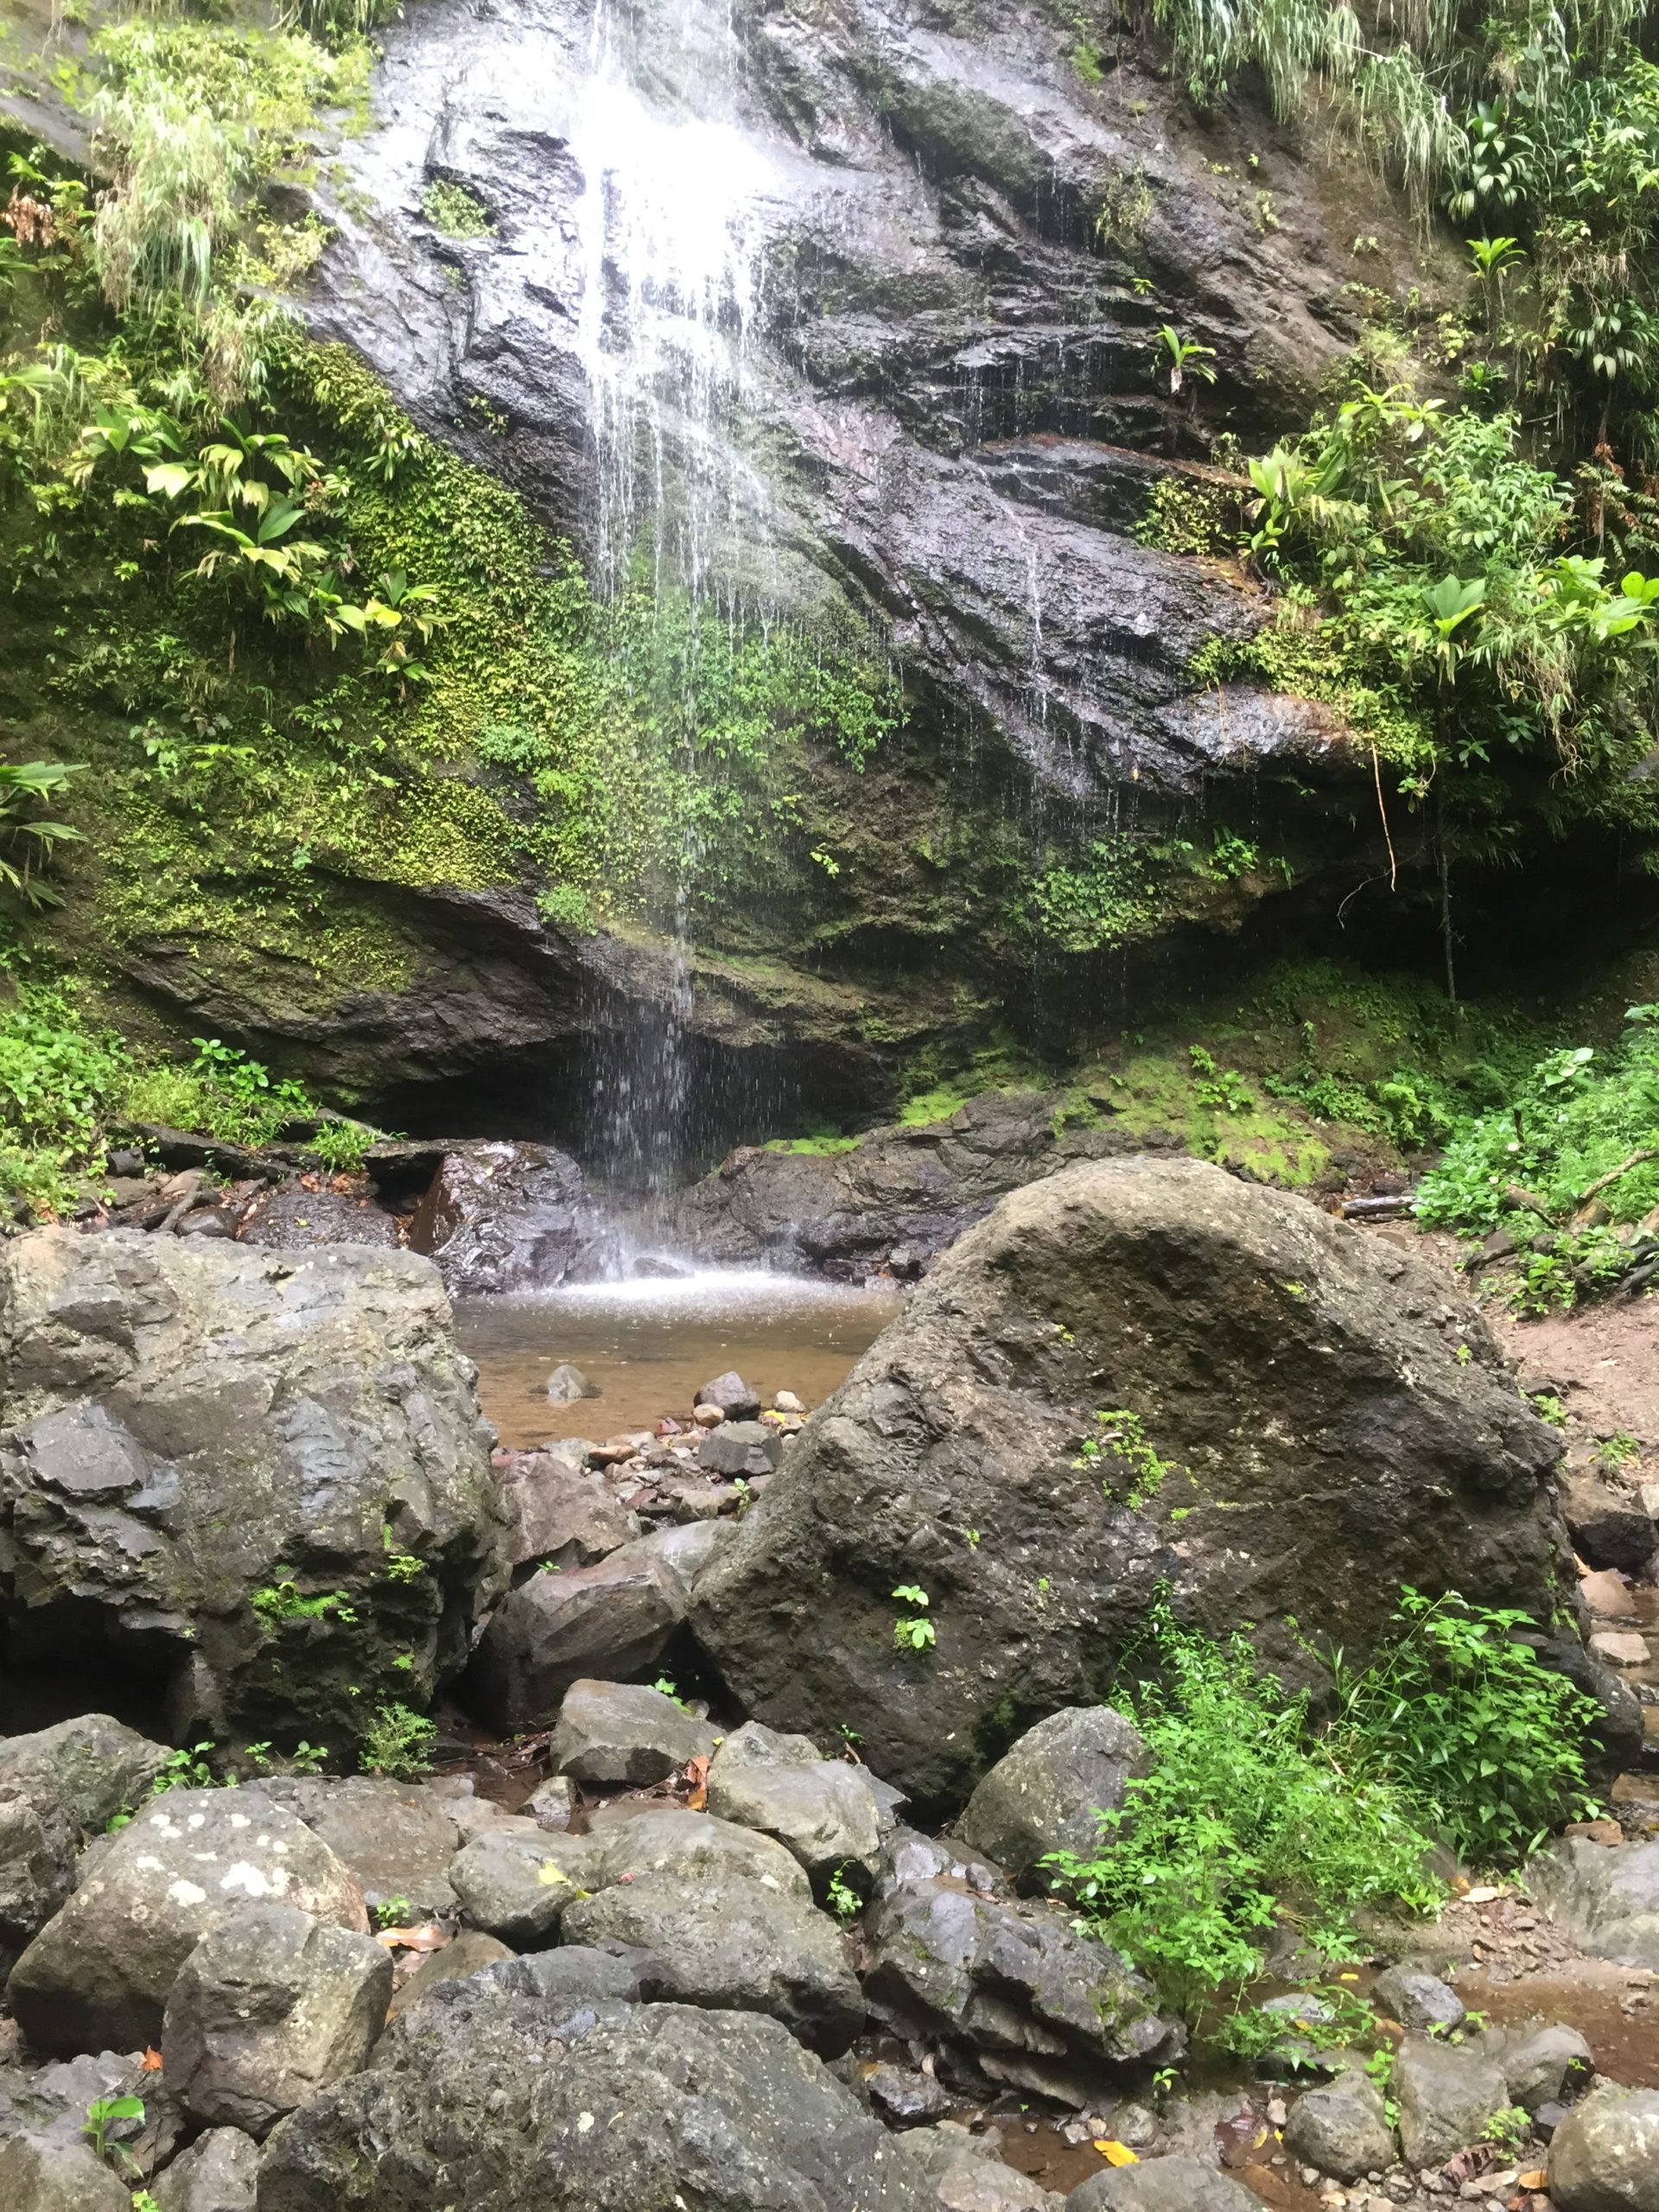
651,1344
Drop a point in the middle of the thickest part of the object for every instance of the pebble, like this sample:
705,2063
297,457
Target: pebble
706,1416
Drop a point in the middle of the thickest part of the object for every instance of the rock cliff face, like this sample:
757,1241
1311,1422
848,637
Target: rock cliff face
959,253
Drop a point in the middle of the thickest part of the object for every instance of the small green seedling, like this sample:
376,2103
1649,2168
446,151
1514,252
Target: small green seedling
913,1632
101,2116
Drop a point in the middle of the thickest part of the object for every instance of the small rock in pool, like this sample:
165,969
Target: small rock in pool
732,1395
707,1417
786,1402
567,1384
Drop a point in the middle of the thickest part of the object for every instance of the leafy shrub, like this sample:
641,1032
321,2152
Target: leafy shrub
1245,1805
398,1742
1483,1740
1582,1124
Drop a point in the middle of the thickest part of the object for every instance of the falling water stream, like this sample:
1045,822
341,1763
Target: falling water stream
669,251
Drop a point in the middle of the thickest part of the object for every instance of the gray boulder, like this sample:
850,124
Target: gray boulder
46,2175
502,1216
733,1944
515,1886
97,1974
1609,1522
394,1838
218,2173
1258,1343
567,1385
468,1953
90,1768
216,1459
1173,2185
496,2098
740,1448
1417,1999
624,1731
1605,2156
604,1622
732,1395
557,1512
692,1846
1606,1898
1013,1986
1341,2127
1446,2095
1043,1794
1543,2062
270,2008
971,2184
823,1810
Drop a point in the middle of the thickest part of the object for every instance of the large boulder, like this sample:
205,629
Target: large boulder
484,2096
1605,2156
218,2173
1177,2184
1012,1989
255,1482
1305,1420
394,1838
823,1810
1342,2127
626,1731
268,2009
1044,1794
509,1216
734,1943
559,1510
1447,2096
1606,1898
46,2175
606,1622
97,1974
58,1787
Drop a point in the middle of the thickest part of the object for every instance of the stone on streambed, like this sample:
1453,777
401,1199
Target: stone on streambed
566,1515
1177,2183
197,1442
394,1838
568,1383
489,2096
1446,2096
1341,2127
502,1216
218,2173
603,1622
1609,1525
1417,1999
99,1973
1299,1383
740,1448
1046,1793
268,2009
1605,2156
1544,2062
58,1787
733,1944
821,1810
622,1732
731,1397
518,1886
1013,1986
1606,1899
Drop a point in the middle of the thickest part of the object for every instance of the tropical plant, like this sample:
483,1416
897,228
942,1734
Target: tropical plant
1183,356
27,840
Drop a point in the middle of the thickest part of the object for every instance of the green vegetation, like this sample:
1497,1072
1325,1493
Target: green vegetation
1251,1811
398,1742
1122,1445
912,1630
393,1912
457,211
102,2115
1568,1160
285,1601
1246,1804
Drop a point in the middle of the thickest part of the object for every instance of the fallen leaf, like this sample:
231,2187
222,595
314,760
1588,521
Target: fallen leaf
427,1936
1536,2179
1117,2153
151,2062
1483,1894
696,1773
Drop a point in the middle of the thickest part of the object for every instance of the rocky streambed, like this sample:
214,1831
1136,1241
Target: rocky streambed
723,1894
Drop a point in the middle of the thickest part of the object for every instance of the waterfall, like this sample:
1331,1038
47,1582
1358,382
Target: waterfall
670,248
